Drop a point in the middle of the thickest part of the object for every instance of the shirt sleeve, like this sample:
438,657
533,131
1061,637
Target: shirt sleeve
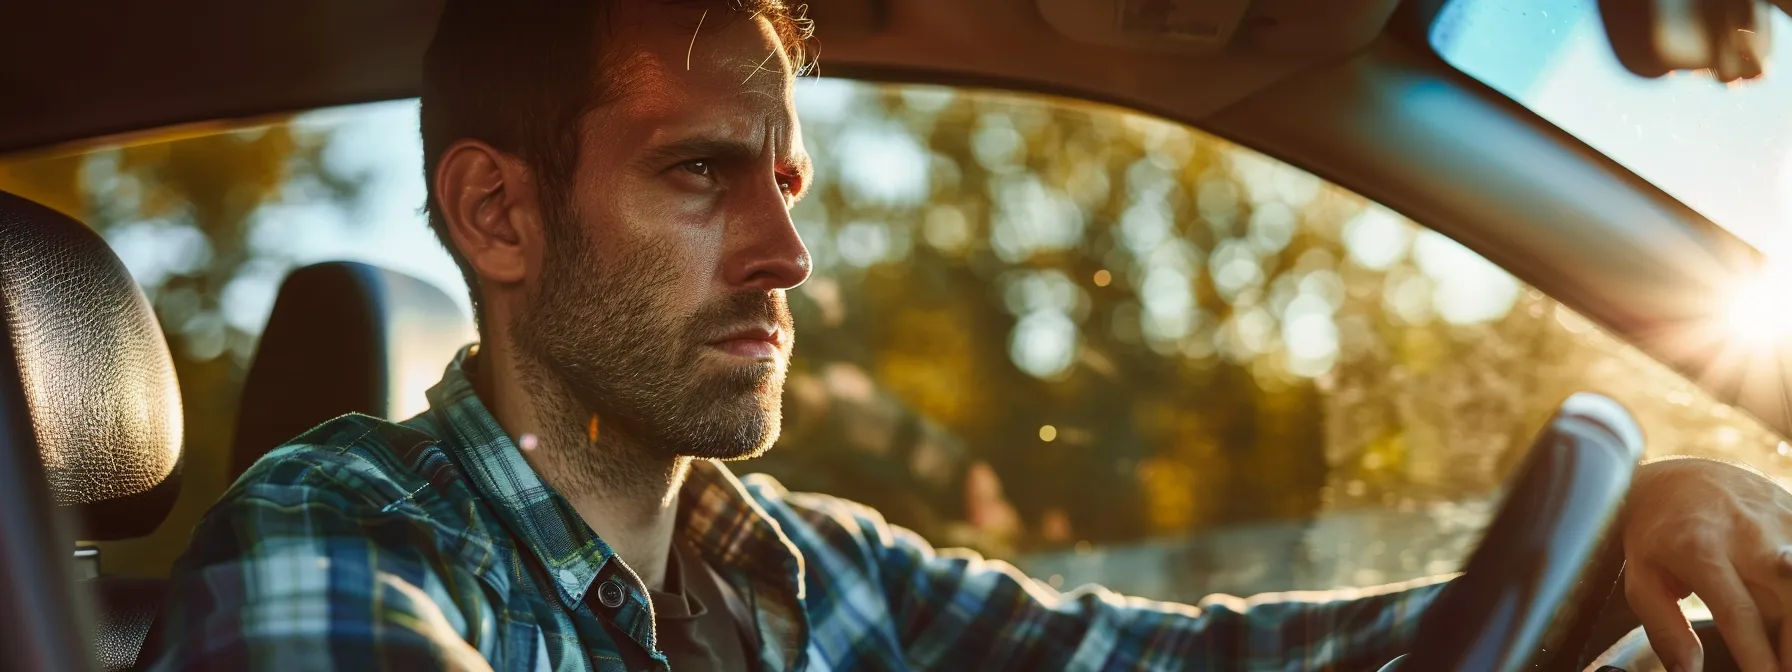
297,578
955,609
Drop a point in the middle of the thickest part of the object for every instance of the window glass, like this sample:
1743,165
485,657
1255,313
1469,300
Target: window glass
1103,346
1724,150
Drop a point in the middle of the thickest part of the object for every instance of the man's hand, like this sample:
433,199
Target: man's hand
1720,531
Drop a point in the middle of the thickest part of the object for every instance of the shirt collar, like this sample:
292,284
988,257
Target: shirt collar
730,529
733,532
725,524
543,521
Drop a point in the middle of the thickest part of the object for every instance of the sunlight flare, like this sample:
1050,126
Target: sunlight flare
1757,313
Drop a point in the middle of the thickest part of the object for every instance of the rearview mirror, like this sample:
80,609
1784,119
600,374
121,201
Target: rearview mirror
1729,38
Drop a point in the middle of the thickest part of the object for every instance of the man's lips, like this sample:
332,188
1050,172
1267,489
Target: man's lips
752,342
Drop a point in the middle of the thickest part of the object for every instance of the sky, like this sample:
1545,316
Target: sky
388,228
1724,150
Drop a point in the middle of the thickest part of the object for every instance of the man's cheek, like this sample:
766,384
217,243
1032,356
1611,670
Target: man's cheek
690,288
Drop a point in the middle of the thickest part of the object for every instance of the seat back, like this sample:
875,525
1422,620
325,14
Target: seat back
88,386
344,337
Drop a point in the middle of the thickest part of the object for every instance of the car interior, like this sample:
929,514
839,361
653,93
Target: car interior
350,315
1352,91
94,392
99,397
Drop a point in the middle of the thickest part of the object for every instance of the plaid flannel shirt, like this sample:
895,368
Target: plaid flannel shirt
431,544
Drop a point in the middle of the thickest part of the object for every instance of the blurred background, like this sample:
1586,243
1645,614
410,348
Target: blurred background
1103,346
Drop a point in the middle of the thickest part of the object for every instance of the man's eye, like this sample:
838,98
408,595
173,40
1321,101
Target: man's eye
698,167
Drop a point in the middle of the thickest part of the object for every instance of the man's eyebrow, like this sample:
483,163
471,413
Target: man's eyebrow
803,165
724,150
701,147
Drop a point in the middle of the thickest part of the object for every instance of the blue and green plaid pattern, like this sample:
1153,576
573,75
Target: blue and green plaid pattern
431,544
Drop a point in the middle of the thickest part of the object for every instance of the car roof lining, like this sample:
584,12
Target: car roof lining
237,60
1388,120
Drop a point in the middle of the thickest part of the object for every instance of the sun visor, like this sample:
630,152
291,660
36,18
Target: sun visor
1195,27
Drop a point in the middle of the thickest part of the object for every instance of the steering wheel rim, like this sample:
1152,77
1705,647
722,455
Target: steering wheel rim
1530,591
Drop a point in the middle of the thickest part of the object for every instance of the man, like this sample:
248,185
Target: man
614,179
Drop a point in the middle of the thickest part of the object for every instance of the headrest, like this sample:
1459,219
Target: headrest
345,337
99,388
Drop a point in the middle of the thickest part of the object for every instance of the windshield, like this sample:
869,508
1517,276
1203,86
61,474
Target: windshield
1724,150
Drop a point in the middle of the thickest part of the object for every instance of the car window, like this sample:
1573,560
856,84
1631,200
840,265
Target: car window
1723,149
1103,346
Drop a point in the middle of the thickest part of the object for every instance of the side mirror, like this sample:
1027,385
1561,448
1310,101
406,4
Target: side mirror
1732,39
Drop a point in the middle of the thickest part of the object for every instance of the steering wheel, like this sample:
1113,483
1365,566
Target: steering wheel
1529,594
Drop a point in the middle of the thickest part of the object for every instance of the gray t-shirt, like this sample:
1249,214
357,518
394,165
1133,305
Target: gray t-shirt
696,625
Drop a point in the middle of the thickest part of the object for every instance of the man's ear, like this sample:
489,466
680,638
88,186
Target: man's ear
490,203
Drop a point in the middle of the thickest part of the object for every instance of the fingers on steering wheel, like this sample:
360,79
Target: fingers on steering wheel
1738,618
1658,607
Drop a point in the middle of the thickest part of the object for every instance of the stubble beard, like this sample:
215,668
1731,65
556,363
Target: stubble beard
598,342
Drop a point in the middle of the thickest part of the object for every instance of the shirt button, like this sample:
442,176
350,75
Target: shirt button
610,593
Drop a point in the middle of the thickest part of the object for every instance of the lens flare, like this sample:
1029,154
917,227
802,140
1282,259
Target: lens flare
1758,314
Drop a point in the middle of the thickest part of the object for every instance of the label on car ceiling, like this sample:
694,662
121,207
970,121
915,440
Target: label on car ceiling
1205,22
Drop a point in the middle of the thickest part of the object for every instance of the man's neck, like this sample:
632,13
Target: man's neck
627,495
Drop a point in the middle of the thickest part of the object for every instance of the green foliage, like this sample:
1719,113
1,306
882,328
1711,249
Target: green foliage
1248,343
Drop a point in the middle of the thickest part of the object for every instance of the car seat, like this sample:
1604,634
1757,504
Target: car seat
344,337
86,382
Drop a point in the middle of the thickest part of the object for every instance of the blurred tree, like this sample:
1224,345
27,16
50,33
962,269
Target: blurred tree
1213,337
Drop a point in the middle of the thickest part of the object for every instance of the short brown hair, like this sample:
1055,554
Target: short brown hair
520,74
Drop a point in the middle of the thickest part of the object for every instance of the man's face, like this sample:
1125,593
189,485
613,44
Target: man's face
661,298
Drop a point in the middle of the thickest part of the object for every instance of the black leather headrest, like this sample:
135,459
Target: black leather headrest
100,394
344,337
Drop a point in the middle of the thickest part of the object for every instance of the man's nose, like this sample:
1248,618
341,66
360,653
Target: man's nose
765,251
